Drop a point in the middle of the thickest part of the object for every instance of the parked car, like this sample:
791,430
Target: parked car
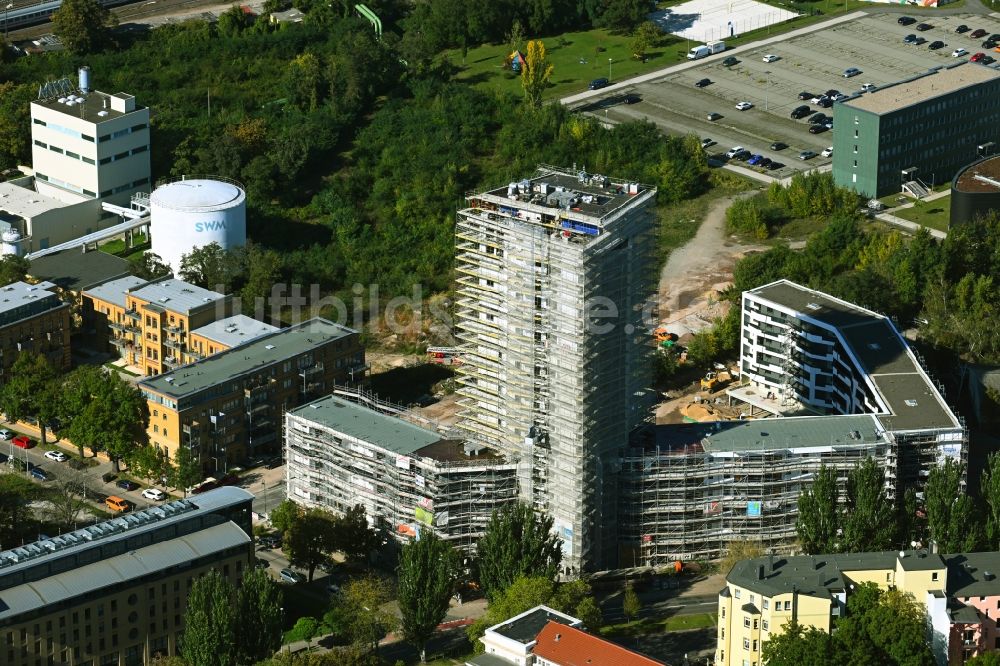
839,97
923,27
817,129
906,20
744,106
869,87
774,166
117,504
333,588
290,577
754,159
597,84
779,145
706,142
701,83
806,155
632,98
824,103
22,442
770,57
5,434
126,484
154,494
962,29
731,153
910,38
977,57
827,152
851,71
817,119
936,45
732,60
57,456
108,477
805,95
919,41
39,473
800,112
987,60
261,563
764,162
743,155
976,34
270,541
989,44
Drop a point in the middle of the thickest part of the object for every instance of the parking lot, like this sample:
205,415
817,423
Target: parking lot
814,63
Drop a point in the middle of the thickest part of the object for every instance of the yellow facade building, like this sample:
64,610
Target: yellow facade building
150,322
229,407
763,595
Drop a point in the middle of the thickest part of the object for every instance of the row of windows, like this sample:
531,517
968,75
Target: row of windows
67,153
64,130
123,155
63,184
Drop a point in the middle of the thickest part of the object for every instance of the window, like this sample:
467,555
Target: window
764,625
755,646
934,575
788,605
746,643
746,622
888,577
751,598
737,592
755,623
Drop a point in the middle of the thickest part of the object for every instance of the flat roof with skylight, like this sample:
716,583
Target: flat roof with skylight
176,295
922,89
235,330
114,291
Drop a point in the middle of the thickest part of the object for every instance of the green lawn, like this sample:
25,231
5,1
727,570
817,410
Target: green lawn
934,214
580,57
656,626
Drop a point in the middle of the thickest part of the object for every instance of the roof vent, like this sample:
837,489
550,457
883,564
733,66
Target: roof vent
910,402
874,346
268,346
812,306
988,575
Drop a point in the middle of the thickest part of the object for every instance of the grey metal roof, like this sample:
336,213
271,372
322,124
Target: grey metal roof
252,356
794,432
91,108
235,330
388,432
524,628
973,574
177,295
881,352
114,291
119,570
75,270
19,294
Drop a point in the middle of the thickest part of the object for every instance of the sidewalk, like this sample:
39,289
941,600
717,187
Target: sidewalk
913,227
652,76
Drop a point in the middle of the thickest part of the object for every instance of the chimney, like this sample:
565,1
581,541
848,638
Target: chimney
760,572
558,636
770,562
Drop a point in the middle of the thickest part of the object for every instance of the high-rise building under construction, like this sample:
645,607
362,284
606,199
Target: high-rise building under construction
554,278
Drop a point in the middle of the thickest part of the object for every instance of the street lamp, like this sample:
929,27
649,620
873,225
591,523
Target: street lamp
768,74
609,70
7,7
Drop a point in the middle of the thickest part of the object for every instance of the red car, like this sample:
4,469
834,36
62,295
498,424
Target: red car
22,442
977,57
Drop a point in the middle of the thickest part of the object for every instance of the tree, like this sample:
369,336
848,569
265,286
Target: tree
83,26
233,21
210,622
535,73
15,123
428,569
311,539
817,523
106,414
151,462
30,391
364,599
524,593
353,536
64,504
647,35
985,659
865,528
12,269
285,515
737,551
517,542
148,266
185,471
989,490
630,603
209,266
259,612
623,14
951,514
16,493
798,646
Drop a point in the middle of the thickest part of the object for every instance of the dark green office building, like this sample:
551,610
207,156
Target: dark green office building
931,124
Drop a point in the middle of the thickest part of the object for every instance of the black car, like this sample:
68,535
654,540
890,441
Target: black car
832,92
919,41
125,484
934,46
766,162
597,84
962,29
714,116
774,166
805,95
632,98
976,34
910,38
906,20
825,103
778,145
990,44
262,563
800,112
987,60
817,129
817,119
702,83
743,155
108,477
923,27
731,60
995,37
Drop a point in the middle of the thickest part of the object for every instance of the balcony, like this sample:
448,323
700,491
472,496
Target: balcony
133,314
172,361
173,344
123,343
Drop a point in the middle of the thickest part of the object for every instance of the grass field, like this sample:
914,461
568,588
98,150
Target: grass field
580,57
933,214
649,626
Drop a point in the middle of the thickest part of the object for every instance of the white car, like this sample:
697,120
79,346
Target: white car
868,87
743,106
958,53
771,58
290,577
58,456
827,152
732,151
5,434
154,494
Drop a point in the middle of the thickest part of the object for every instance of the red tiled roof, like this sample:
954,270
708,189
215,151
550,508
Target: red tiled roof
567,646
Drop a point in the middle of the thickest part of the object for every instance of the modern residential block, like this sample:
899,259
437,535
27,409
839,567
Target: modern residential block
554,273
116,592
151,331
921,130
223,334
89,145
960,593
228,407
33,319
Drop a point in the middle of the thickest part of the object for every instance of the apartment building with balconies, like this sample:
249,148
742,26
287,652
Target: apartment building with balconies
223,334
33,319
230,407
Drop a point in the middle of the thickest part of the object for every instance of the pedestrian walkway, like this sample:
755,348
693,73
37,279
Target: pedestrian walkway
680,67
913,227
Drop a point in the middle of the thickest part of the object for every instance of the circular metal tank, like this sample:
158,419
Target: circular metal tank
10,243
194,211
